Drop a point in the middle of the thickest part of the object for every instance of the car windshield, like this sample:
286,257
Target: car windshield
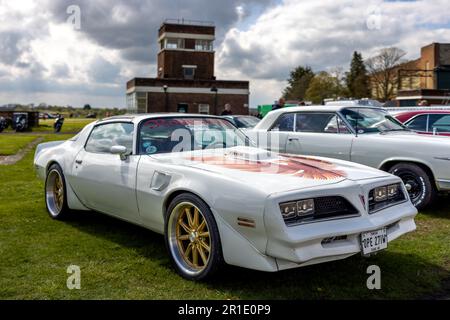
246,122
166,135
368,120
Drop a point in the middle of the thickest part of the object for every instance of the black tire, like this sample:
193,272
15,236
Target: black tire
178,258
418,183
57,210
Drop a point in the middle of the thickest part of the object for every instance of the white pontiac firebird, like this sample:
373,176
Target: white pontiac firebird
199,181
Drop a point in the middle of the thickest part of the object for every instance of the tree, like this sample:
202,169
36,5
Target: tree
383,72
356,79
298,83
324,86
87,107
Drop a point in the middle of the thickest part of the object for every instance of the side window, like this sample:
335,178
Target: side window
419,123
317,123
284,123
103,137
439,123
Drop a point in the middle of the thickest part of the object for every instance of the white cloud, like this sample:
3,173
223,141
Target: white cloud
323,34
44,59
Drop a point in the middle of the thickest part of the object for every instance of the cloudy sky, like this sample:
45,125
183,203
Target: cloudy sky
44,57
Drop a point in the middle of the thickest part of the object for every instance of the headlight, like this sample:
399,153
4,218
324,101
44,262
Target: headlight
380,194
288,210
392,190
305,207
311,210
294,209
385,196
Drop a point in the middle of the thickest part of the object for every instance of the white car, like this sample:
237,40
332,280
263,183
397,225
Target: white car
365,135
217,199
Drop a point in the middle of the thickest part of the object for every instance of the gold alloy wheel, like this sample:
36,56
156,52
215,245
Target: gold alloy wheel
58,192
54,193
190,234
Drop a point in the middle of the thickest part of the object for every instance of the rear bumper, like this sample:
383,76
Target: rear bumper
316,242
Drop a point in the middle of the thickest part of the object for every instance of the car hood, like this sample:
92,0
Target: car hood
414,138
270,171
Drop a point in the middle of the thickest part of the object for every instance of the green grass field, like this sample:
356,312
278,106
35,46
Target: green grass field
10,145
70,125
122,261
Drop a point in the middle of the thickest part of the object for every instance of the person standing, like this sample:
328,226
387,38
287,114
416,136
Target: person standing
279,105
227,111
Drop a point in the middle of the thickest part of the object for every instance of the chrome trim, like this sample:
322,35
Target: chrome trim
443,180
443,158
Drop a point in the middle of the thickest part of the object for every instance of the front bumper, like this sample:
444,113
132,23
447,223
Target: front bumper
330,240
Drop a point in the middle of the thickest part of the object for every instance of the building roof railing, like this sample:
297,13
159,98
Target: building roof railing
190,22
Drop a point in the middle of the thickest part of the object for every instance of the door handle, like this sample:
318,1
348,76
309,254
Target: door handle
78,161
294,139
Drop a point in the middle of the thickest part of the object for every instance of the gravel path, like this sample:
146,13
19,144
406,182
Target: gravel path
9,160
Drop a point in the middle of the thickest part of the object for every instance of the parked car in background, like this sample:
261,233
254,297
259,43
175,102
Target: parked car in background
431,122
243,122
219,199
364,135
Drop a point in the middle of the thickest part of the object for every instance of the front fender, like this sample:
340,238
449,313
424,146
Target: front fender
228,200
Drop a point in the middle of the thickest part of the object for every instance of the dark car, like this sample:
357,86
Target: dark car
431,122
243,122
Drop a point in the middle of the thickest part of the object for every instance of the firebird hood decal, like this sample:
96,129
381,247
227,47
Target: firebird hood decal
268,171
298,166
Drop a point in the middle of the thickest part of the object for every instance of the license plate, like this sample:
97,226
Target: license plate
374,241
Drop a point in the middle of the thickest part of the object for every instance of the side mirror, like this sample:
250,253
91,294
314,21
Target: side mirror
121,151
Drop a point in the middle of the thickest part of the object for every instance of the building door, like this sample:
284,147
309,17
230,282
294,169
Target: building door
182,108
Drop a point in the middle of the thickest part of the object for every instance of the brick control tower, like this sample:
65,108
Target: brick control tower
185,80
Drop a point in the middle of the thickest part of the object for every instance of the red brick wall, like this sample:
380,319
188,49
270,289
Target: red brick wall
157,102
172,61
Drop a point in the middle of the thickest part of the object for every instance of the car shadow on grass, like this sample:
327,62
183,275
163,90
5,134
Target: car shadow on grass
440,208
403,275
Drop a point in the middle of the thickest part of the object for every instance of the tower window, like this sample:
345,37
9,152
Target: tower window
189,72
203,45
174,43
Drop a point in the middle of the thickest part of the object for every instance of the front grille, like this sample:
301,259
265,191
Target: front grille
326,208
391,201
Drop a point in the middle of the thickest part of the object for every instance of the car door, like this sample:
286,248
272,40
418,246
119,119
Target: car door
275,138
320,134
103,181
